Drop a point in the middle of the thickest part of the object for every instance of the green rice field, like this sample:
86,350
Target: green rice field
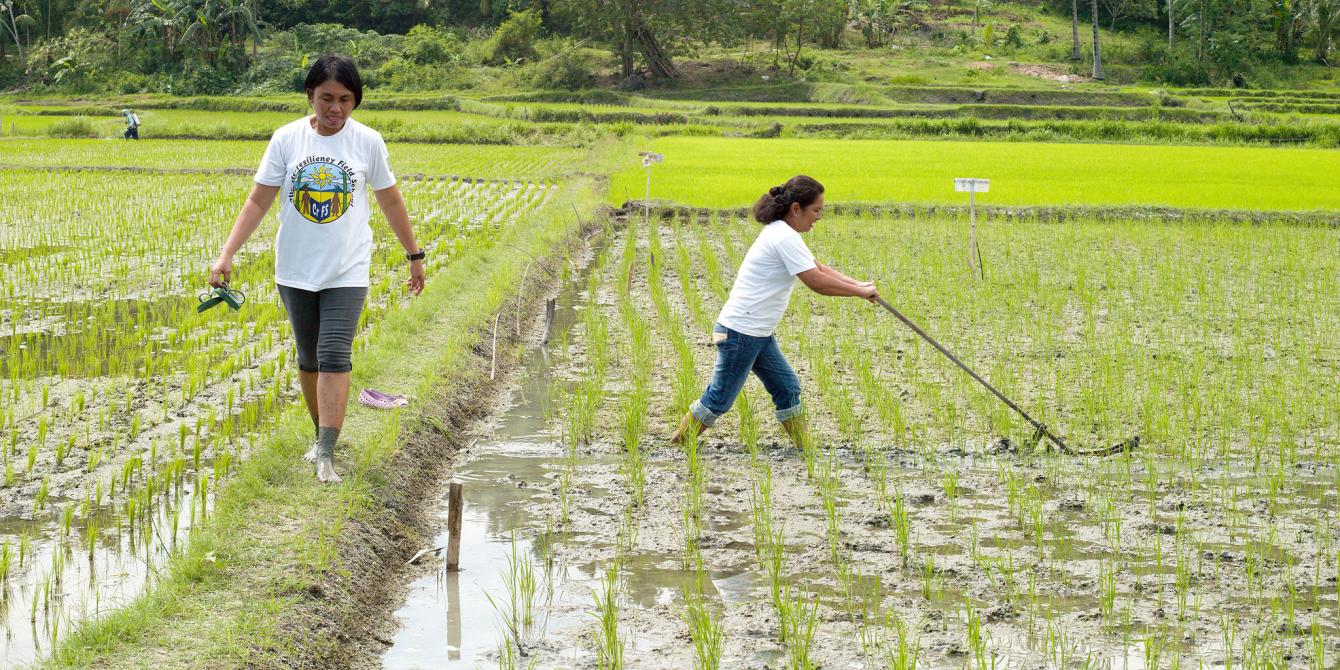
156,511
717,172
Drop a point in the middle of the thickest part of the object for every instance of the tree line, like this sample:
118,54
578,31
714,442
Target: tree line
217,45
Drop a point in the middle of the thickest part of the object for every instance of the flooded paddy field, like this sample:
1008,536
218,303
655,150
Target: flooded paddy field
920,526
122,409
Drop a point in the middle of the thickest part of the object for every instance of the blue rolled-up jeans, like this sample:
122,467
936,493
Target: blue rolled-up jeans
737,355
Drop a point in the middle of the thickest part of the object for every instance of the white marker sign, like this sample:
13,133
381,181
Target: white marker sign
649,159
963,185
972,187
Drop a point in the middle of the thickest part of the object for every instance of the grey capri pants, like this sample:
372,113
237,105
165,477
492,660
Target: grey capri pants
324,323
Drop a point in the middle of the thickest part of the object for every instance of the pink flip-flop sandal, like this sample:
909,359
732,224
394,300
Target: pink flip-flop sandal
379,400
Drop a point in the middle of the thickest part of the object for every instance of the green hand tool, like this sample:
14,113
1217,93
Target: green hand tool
222,294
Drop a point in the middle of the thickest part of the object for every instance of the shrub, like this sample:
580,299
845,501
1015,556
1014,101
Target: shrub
76,62
75,126
368,49
404,75
430,45
514,40
562,67
1180,71
127,83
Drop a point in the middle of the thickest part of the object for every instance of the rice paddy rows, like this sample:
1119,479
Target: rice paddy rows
911,532
493,162
122,408
1022,173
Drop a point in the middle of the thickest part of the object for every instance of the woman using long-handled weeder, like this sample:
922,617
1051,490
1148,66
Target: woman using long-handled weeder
744,331
326,163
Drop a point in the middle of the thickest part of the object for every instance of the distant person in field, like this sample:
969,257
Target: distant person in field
743,334
132,124
325,165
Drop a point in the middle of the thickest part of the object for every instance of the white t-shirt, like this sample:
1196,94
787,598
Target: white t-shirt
324,240
763,285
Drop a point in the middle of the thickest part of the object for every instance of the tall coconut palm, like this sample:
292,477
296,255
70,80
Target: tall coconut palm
1171,13
1324,19
1074,30
1097,52
14,21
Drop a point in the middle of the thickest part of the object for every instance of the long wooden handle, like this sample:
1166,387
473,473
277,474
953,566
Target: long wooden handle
1041,428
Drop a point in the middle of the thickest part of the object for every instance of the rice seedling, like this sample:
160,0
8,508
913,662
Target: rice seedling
929,580
609,643
705,630
509,657
901,653
40,499
522,586
799,623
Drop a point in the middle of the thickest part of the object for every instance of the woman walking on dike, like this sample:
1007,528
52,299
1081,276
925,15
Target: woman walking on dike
743,334
325,164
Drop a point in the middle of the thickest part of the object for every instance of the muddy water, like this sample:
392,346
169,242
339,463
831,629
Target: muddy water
436,629
1030,586
510,482
65,579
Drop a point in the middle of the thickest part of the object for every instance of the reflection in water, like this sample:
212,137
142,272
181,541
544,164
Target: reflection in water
61,575
504,477
453,580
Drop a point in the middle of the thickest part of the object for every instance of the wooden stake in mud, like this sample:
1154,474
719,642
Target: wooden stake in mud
455,505
493,362
549,309
973,187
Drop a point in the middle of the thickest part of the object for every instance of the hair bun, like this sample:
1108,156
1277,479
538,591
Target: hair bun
775,191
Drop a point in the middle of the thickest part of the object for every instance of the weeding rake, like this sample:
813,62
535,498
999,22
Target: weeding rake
1040,429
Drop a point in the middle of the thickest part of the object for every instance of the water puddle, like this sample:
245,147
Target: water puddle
59,574
436,631
461,620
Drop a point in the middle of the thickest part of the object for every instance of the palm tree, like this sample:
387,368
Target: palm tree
157,21
1324,16
1171,12
12,22
241,20
1097,53
1074,29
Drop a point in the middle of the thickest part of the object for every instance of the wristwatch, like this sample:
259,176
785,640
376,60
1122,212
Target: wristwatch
417,256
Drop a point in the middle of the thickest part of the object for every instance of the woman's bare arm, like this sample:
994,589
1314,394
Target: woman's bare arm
248,220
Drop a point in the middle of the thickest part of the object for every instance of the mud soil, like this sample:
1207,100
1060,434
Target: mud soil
348,621
1033,584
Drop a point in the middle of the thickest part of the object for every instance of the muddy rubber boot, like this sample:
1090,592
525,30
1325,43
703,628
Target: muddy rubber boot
686,424
799,432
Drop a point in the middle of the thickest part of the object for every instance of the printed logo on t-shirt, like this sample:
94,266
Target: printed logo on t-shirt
322,188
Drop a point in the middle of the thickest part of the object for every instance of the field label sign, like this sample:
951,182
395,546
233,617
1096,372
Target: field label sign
965,185
973,187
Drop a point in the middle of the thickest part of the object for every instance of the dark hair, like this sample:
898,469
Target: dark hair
339,68
774,204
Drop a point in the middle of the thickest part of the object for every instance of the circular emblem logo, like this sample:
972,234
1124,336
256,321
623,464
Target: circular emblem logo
321,191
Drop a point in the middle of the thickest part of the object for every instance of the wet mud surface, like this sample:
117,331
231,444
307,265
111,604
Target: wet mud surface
1009,559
